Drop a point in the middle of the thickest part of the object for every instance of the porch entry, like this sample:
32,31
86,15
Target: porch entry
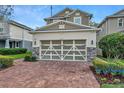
66,50
14,44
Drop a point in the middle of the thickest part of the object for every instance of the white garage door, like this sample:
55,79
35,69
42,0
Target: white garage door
70,50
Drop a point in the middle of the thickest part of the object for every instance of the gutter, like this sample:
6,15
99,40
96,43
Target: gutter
75,30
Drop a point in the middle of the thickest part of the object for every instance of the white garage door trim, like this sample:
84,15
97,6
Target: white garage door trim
58,51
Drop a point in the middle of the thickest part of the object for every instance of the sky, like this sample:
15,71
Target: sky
33,15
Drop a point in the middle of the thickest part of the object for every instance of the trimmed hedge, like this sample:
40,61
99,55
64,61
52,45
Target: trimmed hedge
29,57
113,45
12,51
6,61
108,67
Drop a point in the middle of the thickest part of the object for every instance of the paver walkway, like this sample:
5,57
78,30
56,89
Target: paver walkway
48,75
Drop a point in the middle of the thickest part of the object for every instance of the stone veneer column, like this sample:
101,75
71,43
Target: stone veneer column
91,53
36,52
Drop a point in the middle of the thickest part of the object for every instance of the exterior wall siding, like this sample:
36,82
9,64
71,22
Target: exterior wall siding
28,45
84,19
108,27
19,33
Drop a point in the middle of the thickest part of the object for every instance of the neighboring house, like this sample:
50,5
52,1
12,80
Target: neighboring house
111,24
67,36
14,35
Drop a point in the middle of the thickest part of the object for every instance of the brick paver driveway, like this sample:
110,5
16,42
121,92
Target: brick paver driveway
48,74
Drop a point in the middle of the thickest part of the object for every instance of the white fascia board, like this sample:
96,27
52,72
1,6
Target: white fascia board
78,24
69,23
75,30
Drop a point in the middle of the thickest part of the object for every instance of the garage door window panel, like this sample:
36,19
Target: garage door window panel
68,58
46,57
79,58
56,57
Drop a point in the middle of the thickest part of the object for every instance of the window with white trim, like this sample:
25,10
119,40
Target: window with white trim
77,20
61,26
120,22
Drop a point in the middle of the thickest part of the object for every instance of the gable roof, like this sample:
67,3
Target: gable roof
68,15
112,16
20,25
77,26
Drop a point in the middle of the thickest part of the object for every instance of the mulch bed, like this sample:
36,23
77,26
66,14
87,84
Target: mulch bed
107,78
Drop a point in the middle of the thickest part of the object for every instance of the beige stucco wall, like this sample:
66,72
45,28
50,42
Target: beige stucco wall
89,35
17,33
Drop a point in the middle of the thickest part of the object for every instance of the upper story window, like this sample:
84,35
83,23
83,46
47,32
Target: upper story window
61,26
77,20
1,29
120,22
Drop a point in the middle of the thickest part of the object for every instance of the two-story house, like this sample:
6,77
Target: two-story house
67,36
111,24
14,34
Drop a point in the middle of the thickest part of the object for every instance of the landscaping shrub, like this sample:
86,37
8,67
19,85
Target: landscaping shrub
30,57
6,61
102,66
113,45
12,51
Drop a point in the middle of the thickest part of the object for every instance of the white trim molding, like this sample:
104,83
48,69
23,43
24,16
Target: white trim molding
122,22
72,30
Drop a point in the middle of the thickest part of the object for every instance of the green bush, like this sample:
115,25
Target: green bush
6,61
12,51
29,57
113,45
108,67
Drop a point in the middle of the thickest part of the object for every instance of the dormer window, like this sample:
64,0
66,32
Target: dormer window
77,20
120,22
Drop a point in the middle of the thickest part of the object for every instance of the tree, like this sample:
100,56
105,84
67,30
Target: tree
113,45
6,10
93,24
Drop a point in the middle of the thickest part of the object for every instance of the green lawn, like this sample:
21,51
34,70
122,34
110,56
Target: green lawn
19,56
112,86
